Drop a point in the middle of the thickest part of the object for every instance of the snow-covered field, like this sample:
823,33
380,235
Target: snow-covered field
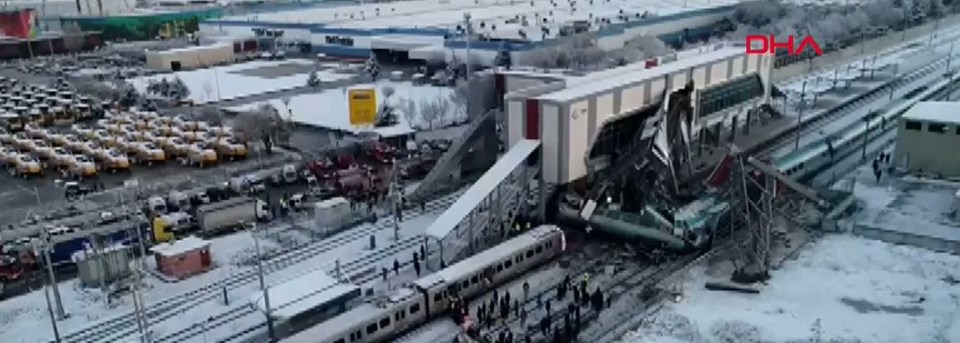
490,17
24,318
235,81
330,108
840,289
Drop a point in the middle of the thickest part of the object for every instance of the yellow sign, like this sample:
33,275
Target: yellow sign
363,106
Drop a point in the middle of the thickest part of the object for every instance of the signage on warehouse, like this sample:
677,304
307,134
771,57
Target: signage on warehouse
761,45
363,106
18,24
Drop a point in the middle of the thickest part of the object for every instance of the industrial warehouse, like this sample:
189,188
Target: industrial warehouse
488,171
403,31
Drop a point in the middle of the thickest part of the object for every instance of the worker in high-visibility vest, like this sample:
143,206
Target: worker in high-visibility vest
528,226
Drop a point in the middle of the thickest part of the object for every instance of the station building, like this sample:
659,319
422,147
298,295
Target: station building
922,134
579,119
406,31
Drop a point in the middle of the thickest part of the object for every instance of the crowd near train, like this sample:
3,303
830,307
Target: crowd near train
433,296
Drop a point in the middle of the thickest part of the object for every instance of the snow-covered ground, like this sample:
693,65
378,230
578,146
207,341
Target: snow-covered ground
908,204
24,318
330,108
894,55
236,81
840,289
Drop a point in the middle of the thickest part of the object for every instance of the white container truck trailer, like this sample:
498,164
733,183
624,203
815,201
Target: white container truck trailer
229,214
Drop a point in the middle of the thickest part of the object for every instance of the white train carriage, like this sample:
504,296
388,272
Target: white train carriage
409,308
369,322
498,264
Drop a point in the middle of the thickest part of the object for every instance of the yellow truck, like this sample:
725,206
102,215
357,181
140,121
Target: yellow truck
202,155
147,153
111,160
25,166
175,146
8,155
229,148
80,166
59,159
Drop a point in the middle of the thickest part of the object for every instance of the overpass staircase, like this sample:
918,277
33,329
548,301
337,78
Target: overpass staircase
449,163
488,228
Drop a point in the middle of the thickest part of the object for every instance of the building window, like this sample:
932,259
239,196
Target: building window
913,125
938,128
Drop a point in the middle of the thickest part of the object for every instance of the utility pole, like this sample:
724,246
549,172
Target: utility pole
46,295
263,287
45,237
140,306
469,29
896,70
803,105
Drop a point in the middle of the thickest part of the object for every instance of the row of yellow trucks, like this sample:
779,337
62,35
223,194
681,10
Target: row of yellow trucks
191,142
116,143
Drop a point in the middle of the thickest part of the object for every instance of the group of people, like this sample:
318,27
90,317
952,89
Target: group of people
884,158
501,307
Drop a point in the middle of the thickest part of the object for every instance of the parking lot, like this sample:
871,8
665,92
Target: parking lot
18,196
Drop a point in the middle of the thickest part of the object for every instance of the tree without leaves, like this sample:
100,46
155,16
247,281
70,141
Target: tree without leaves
209,114
443,110
429,112
98,90
264,124
410,113
208,90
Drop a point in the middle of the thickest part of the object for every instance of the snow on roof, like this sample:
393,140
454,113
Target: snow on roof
178,247
302,294
330,108
88,252
935,111
330,329
229,82
610,82
481,189
448,14
332,202
458,270
193,48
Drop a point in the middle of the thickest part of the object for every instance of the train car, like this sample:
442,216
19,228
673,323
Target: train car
813,158
409,308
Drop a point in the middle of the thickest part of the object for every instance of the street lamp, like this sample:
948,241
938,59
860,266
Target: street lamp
266,295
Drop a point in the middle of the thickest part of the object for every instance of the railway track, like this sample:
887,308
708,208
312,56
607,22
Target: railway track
815,123
126,324
356,270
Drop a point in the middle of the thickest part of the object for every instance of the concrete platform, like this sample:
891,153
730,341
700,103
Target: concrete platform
906,211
